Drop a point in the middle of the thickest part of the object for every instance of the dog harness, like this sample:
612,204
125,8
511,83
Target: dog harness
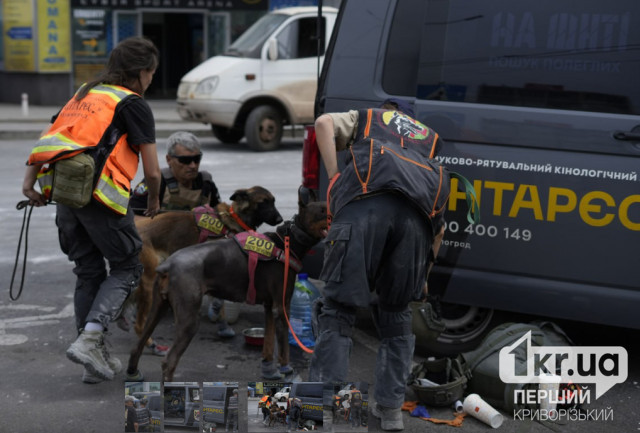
258,246
210,224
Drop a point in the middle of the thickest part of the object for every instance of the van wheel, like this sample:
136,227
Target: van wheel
263,128
227,135
466,327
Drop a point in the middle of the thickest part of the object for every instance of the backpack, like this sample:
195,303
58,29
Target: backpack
356,399
483,362
440,382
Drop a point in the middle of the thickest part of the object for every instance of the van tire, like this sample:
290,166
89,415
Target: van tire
227,135
263,128
466,327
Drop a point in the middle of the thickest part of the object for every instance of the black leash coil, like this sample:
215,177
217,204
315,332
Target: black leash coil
26,219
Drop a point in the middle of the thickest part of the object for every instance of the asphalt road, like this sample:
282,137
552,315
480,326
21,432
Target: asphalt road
40,390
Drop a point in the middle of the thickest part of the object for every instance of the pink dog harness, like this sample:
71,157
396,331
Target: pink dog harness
259,247
210,224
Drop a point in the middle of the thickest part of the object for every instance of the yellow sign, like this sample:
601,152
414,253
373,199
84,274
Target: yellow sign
17,35
54,36
259,245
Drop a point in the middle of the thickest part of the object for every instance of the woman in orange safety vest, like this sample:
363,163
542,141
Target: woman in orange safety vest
109,120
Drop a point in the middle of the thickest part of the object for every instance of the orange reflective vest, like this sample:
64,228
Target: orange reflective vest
84,125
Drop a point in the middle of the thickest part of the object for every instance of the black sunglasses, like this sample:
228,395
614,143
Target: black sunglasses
188,159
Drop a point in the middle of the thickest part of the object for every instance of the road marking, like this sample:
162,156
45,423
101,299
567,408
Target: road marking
35,260
26,307
29,321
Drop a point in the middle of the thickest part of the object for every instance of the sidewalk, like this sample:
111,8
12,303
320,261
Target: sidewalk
14,124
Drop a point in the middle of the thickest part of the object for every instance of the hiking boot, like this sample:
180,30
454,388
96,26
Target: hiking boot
114,364
158,349
88,377
390,419
89,350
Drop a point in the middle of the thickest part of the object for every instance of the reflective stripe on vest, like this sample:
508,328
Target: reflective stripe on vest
111,195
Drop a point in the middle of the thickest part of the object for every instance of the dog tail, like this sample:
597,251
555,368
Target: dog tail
162,283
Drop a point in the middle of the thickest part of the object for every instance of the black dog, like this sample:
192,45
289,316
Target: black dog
221,269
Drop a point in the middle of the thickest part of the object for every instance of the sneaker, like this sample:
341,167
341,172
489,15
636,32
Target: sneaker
226,331
286,369
390,419
158,349
89,350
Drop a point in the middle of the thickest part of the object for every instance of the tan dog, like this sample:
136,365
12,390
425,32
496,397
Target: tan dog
174,230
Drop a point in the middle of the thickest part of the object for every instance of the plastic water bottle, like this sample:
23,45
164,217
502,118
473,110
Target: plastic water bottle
300,311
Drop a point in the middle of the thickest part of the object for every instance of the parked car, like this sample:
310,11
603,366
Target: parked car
283,394
538,107
265,80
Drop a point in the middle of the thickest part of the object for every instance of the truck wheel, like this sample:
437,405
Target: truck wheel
263,128
466,327
227,135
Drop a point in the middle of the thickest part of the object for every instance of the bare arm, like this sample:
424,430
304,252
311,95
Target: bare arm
326,144
152,177
30,177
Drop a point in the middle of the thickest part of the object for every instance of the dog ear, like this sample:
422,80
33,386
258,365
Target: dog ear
305,196
240,195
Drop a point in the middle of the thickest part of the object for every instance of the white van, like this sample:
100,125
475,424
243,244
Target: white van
265,80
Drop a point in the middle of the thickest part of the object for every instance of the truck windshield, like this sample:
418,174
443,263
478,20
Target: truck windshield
249,44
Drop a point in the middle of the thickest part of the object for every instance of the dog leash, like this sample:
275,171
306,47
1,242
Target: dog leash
284,293
25,219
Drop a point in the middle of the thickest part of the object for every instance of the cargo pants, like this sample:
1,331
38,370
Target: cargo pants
375,256
88,236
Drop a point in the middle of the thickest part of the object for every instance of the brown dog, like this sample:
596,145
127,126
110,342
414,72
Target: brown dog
171,231
276,415
221,269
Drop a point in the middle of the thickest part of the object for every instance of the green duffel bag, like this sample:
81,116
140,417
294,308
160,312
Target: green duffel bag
72,183
484,360
441,381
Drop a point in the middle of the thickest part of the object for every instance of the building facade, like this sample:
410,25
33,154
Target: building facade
50,47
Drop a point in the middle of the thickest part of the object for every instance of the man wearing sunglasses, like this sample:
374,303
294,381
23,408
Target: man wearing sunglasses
183,185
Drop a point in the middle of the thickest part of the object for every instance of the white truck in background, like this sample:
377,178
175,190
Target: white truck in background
265,80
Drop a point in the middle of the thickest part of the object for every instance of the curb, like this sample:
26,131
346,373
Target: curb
34,134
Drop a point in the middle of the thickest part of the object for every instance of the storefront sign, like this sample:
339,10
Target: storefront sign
214,5
89,34
18,35
53,36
